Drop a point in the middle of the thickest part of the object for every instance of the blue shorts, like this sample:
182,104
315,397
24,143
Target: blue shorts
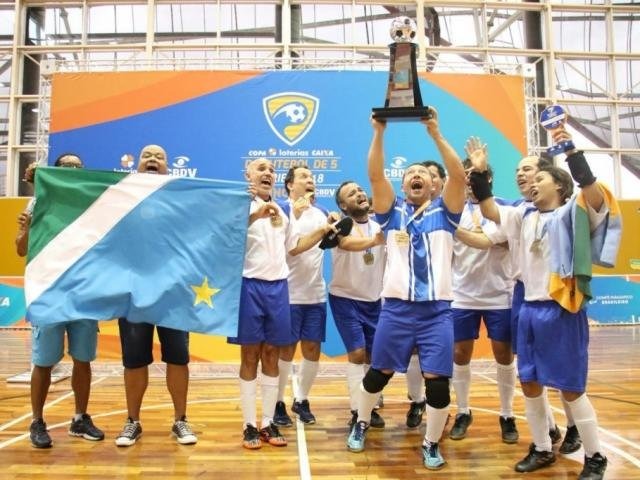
136,340
516,304
356,321
553,346
265,315
404,325
466,324
47,343
308,322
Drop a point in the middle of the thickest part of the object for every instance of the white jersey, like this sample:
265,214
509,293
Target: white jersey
306,283
354,278
482,279
533,251
267,246
419,251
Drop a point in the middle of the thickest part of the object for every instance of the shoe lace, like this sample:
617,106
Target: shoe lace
433,450
40,427
183,428
594,463
251,431
129,429
358,431
274,430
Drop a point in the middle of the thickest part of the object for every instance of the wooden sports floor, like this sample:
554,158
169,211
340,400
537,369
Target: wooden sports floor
317,451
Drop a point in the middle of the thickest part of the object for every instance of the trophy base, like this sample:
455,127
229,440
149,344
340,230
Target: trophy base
401,114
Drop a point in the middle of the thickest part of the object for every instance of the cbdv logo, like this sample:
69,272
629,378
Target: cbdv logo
180,167
290,115
395,171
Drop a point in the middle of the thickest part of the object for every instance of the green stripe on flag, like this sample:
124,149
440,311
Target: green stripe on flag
582,252
58,205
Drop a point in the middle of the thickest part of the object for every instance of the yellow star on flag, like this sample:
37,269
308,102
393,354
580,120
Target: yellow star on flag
204,293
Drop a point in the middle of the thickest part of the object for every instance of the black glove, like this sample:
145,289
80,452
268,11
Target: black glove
580,170
480,185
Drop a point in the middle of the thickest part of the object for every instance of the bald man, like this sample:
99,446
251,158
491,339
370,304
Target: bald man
136,340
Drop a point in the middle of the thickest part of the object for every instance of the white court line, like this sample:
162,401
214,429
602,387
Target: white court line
303,454
630,458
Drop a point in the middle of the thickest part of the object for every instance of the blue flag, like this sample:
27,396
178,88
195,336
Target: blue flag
152,248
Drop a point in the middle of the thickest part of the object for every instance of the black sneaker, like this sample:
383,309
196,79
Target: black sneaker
594,467
251,438
281,418
376,420
85,428
572,441
509,430
414,415
535,460
555,435
302,410
39,435
183,433
130,433
459,429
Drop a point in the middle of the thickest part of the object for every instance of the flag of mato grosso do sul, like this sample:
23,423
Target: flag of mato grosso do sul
151,248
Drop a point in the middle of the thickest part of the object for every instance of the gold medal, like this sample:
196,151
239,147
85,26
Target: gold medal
276,221
402,238
535,246
368,258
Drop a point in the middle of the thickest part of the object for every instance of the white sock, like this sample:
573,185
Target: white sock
269,387
587,424
366,402
415,381
551,422
248,402
355,374
461,381
536,417
285,370
506,377
437,418
567,412
77,417
308,373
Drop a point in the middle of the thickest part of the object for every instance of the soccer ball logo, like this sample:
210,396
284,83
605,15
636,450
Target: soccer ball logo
403,29
295,112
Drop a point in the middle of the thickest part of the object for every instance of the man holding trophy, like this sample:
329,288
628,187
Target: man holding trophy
416,312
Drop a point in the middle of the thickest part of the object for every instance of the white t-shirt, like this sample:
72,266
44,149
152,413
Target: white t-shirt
267,246
306,283
352,277
482,279
533,250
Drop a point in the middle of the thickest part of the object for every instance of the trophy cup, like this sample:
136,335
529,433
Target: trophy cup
553,118
403,101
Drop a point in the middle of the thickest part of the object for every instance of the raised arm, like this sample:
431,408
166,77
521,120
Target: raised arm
22,239
453,193
479,179
581,172
381,188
